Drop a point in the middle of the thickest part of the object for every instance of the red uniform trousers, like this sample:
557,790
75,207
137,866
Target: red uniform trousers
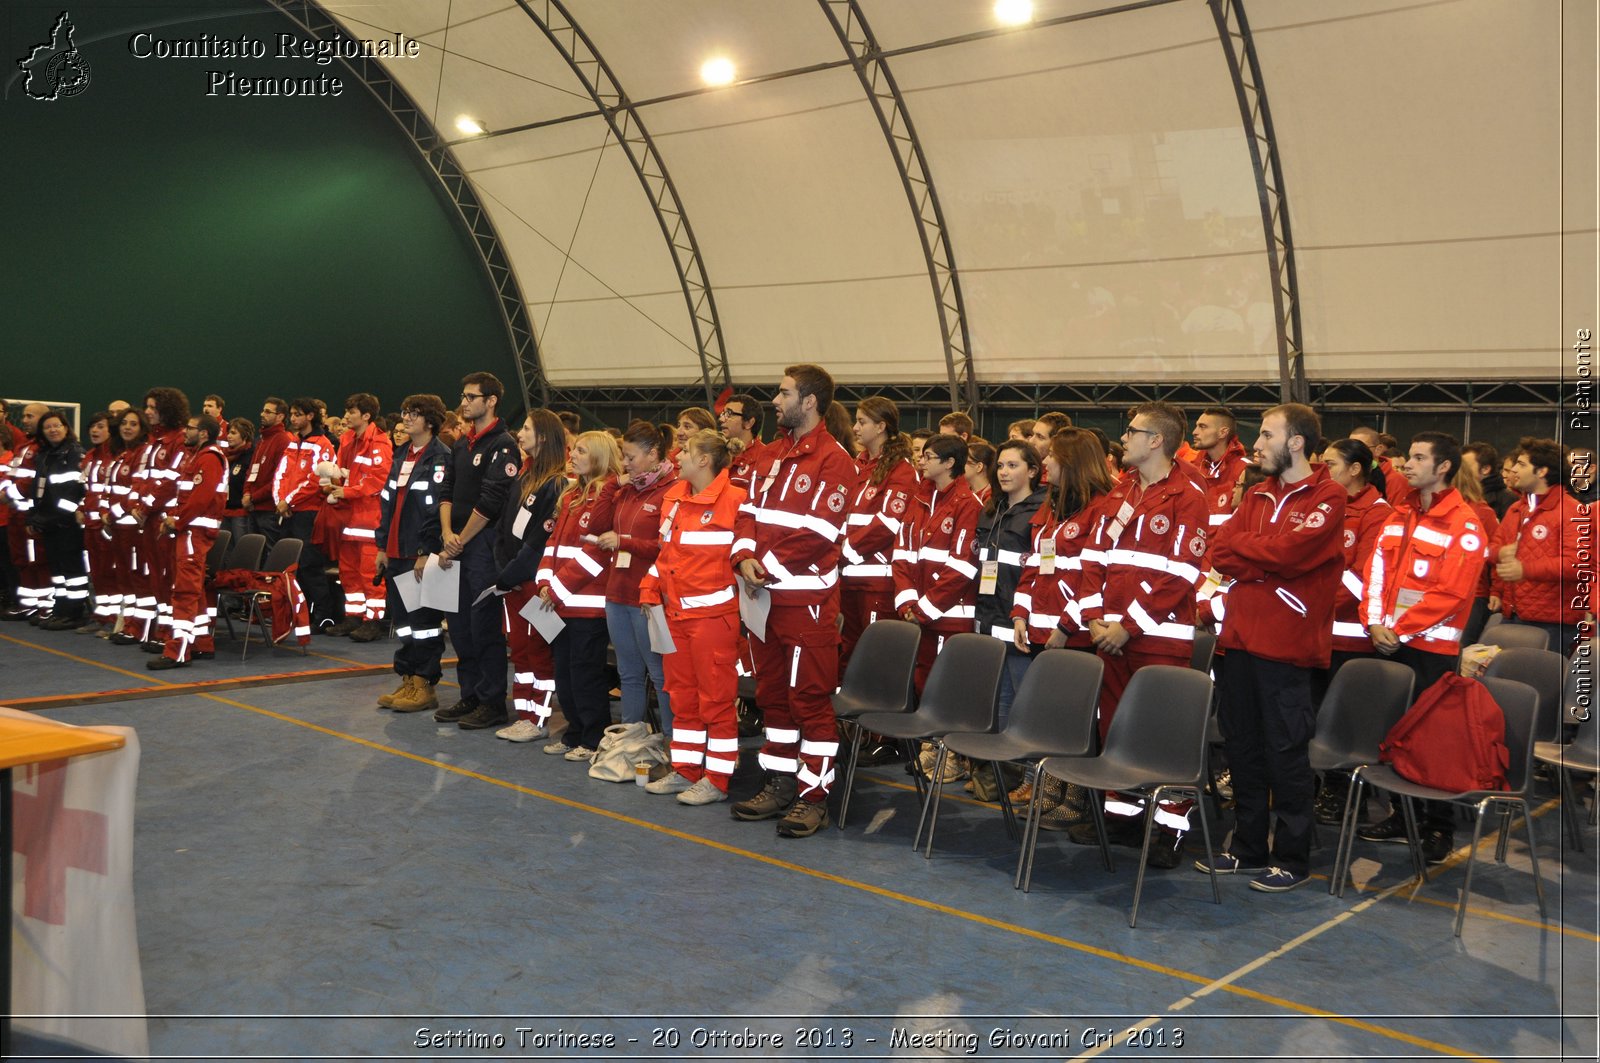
161,552
797,670
34,589
190,619
701,683
533,665
127,541
104,573
355,548
1171,816
859,605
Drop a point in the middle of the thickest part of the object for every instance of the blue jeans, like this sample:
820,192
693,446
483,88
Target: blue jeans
630,637
1011,682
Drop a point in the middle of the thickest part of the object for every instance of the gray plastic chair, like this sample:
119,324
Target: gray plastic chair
218,551
247,552
1508,635
962,694
285,555
1543,670
1204,651
878,679
1366,697
1157,746
1582,754
1052,715
1520,704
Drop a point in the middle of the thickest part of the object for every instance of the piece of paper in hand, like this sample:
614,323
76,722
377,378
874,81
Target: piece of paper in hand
441,587
753,611
486,592
660,636
409,589
547,622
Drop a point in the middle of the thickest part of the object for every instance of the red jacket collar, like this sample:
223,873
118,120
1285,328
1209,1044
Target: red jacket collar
472,437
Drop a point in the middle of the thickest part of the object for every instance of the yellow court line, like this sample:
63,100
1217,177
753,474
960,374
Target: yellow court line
1208,985
146,676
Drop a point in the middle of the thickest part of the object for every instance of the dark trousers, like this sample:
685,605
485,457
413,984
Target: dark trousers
421,639
1429,668
476,631
266,522
313,570
580,652
69,577
1564,638
1267,721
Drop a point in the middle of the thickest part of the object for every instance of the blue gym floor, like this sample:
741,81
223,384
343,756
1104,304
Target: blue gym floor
317,877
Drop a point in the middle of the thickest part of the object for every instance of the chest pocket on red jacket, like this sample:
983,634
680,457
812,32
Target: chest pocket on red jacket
1429,561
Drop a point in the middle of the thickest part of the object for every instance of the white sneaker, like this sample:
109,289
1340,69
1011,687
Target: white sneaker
704,792
556,747
668,784
524,730
580,753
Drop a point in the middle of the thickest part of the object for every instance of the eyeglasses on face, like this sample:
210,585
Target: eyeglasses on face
467,396
1131,431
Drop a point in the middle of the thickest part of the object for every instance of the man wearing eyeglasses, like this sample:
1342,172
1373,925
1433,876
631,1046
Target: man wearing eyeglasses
1140,573
740,421
483,464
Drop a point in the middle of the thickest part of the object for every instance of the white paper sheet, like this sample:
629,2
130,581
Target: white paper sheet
660,637
410,590
545,621
441,587
753,611
486,592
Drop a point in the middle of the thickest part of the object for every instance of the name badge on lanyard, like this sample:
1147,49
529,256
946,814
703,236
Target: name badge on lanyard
624,559
1047,556
990,576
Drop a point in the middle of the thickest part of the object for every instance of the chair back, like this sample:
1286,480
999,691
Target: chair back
1205,648
1544,671
246,553
963,688
218,551
1055,707
1580,684
1367,697
285,552
882,666
1520,703
1159,729
1512,636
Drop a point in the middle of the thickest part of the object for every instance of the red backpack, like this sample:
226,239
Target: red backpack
1453,738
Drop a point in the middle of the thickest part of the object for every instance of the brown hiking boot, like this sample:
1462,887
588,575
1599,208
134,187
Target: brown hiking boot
803,819
420,699
773,800
404,691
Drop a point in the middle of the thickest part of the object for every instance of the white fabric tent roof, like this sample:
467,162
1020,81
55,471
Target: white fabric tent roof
1438,158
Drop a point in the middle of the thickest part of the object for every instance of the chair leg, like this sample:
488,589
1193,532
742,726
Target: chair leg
249,622
909,746
1144,854
1030,828
1211,856
930,801
1344,851
1097,808
1533,856
1414,843
1505,834
850,777
226,619
1007,813
1472,856
1569,809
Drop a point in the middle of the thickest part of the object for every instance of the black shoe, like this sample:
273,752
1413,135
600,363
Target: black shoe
60,623
462,708
879,753
1392,829
1329,806
203,655
343,627
122,638
162,664
36,617
483,716
1437,845
369,631
153,646
16,614
1166,851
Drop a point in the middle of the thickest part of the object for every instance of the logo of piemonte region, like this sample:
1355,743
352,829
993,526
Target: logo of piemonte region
55,69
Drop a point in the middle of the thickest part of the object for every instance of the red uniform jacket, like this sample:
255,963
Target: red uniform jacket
1141,567
933,569
1284,549
21,476
295,480
693,576
202,490
1552,533
1217,478
124,469
97,487
875,516
1048,600
748,464
793,521
1364,517
365,459
1424,572
636,518
575,570
1491,525
157,480
264,466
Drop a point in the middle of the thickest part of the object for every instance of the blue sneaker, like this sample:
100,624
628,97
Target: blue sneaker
1278,880
1227,864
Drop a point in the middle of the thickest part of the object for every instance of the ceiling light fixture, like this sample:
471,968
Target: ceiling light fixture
718,71
471,126
1013,12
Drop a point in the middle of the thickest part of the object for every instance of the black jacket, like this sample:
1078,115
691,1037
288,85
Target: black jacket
519,555
1005,535
419,518
59,489
480,475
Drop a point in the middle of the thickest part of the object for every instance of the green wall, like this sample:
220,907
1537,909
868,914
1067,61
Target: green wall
244,246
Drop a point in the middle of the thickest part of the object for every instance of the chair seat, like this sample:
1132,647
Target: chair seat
1567,756
1002,747
847,707
1098,773
1326,757
1386,778
895,724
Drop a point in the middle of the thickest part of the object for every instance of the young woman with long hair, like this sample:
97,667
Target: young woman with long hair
93,517
520,543
572,581
127,531
885,486
980,470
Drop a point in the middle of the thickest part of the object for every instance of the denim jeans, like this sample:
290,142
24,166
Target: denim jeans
630,637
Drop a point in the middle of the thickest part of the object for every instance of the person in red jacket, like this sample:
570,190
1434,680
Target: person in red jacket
692,582
1420,584
348,522
256,498
740,421
935,579
1284,548
297,499
788,541
1537,554
1219,459
166,411
884,488
631,539
1395,483
193,522
1140,573
27,553
96,532
572,581
127,537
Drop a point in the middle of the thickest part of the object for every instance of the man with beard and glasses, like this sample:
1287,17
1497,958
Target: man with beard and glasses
1284,548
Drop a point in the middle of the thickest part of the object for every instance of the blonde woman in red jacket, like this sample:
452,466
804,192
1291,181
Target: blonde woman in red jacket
692,579
572,581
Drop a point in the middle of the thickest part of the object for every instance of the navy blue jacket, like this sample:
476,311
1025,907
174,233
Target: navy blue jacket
419,518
